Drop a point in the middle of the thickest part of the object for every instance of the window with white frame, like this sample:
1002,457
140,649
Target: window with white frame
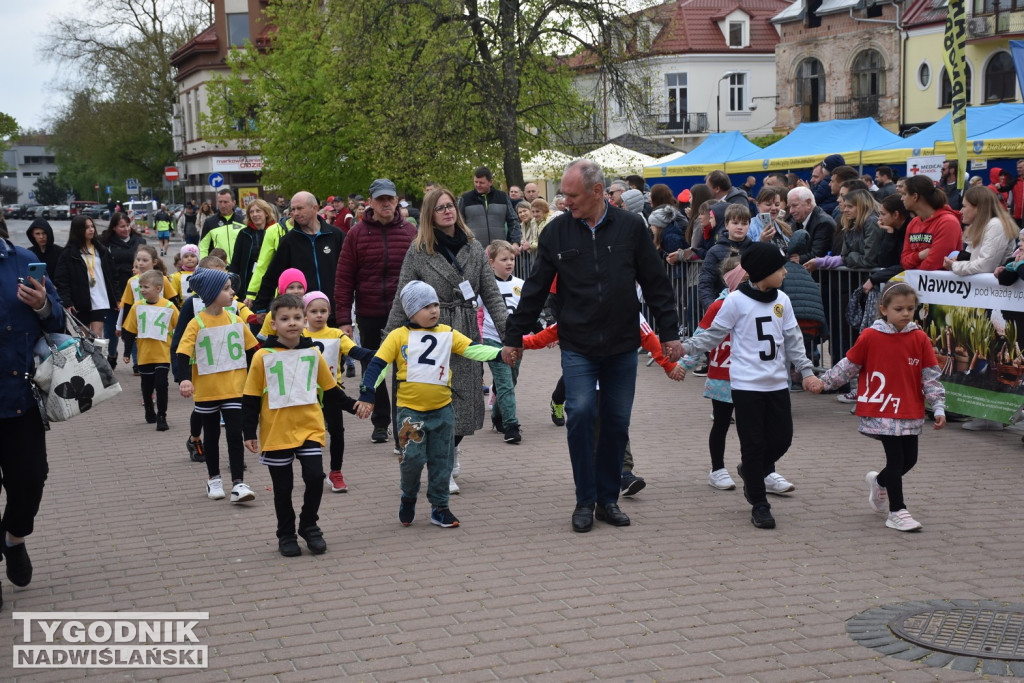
736,34
675,85
738,92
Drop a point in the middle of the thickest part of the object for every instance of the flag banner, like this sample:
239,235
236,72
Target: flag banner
1017,52
954,43
976,326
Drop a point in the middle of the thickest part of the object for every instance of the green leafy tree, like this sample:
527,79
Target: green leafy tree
415,90
8,132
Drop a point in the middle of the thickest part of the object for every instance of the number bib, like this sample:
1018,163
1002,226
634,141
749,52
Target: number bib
185,277
330,349
427,357
136,292
291,377
220,349
153,321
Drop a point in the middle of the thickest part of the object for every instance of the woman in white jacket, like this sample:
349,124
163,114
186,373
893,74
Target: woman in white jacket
991,235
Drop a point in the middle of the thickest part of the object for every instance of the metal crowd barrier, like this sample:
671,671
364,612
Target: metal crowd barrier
835,285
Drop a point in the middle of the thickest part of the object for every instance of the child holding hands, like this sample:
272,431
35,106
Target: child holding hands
897,371
765,340
152,322
421,350
286,379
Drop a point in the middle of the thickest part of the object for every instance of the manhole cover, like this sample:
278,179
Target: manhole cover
983,636
977,632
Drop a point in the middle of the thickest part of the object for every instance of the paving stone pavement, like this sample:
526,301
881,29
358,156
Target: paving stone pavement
690,591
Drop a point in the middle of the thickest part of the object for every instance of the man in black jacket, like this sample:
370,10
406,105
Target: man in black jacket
313,247
599,254
805,214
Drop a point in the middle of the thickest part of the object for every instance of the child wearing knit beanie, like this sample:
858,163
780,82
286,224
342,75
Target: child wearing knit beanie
291,281
766,339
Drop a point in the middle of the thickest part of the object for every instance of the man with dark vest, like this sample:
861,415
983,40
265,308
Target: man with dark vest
489,212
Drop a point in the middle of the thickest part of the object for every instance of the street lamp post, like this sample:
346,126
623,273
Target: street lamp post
718,98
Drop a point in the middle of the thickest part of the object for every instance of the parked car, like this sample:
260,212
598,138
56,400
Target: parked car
61,212
12,211
30,211
80,205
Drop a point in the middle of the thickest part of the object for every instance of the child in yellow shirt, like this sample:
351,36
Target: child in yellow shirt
215,343
287,376
152,322
421,351
333,345
189,260
291,281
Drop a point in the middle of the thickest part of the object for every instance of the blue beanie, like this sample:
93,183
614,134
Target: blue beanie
207,283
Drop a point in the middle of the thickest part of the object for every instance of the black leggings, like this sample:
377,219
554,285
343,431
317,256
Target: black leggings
558,395
722,413
336,428
764,423
284,481
195,424
210,413
900,458
154,378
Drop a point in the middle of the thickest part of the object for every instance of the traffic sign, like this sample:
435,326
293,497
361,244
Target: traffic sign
110,189
31,195
216,180
171,173
96,186
132,185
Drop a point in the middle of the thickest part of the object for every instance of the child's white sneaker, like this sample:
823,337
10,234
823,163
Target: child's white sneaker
457,467
776,483
878,497
452,486
902,521
721,480
241,493
214,489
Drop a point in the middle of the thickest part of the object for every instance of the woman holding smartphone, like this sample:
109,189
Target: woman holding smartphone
767,226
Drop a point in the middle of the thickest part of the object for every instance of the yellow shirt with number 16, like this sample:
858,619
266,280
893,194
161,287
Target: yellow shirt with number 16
217,385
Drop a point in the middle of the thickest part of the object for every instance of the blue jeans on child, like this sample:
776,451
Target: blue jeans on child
427,438
505,379
598,471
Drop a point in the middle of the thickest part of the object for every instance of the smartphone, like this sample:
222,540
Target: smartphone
766,219
37,271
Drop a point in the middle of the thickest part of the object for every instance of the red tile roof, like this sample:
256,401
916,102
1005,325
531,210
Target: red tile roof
692,25
924,12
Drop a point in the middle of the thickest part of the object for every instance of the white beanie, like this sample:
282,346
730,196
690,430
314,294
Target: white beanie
416,296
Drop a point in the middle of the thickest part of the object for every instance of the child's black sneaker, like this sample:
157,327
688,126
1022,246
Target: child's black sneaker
512,434
761,517
558,414
407,511
195,450
314,540
150,415
379,435
19,566
350,371
161,423
443,517
289,546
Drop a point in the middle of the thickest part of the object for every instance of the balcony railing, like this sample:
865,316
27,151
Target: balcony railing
686,123
1000,21
855,107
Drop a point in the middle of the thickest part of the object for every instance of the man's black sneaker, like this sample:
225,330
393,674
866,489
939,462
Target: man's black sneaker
631,484
583,518
19,566
612,514
314,540
195,450
380,435
161,423
497,423
150,415
407,511
512,434
289,546
761,517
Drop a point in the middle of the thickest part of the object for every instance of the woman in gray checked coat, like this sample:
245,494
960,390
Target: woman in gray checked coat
445,255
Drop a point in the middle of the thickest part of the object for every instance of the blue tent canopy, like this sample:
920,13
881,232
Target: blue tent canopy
995,122
809,143
708,156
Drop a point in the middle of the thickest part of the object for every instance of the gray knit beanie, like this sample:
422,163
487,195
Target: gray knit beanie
633,201
416,296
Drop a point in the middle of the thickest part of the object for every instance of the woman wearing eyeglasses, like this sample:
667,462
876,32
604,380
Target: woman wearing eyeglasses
447,257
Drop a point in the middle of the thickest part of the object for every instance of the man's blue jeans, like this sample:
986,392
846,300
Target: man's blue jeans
597,468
